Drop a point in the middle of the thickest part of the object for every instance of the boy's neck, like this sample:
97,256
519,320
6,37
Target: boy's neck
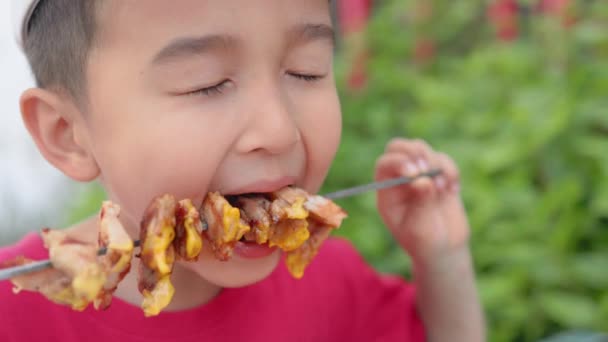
190,289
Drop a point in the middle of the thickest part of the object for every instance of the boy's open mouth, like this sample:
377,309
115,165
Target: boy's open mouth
258,221
255,219
252,250
247,246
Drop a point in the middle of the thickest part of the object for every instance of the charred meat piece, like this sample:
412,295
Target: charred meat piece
321,209
255,211
157,254
156,289
79,276
224,225
116,262
290,228
75,278
299,259
188,239
286,209
324,216
52,283
277,222
289,234
79,262
325,211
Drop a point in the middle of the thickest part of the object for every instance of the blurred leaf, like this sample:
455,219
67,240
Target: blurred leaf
86,203
569,309
525,121
495,287
591,269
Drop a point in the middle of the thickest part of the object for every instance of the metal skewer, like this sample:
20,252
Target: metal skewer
375,186
12,272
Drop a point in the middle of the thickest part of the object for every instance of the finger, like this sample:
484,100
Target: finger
441,181
396,164
450,171
393,165
417,149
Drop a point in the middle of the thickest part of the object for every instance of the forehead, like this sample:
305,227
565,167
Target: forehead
152,22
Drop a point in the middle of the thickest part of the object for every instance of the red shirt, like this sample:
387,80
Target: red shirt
340,298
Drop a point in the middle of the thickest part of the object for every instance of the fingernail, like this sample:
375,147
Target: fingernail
423,165
440,182
410,169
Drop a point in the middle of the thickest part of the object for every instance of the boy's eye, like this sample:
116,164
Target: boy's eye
215,89
306,77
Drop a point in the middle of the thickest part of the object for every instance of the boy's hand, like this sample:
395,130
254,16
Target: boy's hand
428,220
426,217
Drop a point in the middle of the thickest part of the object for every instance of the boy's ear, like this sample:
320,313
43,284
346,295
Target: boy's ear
57,129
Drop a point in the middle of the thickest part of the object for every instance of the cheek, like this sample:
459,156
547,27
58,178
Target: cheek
147,145
132,181
140,162
321,131
135,185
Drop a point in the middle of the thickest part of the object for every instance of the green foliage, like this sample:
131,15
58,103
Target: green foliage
526,123
87,203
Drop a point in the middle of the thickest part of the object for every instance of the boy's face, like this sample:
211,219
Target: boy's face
192,96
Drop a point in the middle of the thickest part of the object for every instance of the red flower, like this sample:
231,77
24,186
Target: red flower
503,14
353,14
357,80
559,9
424,49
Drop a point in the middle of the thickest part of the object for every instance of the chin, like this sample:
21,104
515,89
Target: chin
236,272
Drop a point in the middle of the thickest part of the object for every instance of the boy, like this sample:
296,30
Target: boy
185,97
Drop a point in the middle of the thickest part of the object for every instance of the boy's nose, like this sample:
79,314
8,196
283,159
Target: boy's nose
271,126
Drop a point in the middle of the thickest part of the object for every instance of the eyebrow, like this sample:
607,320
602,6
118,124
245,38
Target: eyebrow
188,46
310,32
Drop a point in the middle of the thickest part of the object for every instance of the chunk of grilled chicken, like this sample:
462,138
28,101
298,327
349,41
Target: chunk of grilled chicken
290,228
75,278
224,225
188,241
321,209
255,211
116,262
79,262
324,216
52,283
297,260
157,254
